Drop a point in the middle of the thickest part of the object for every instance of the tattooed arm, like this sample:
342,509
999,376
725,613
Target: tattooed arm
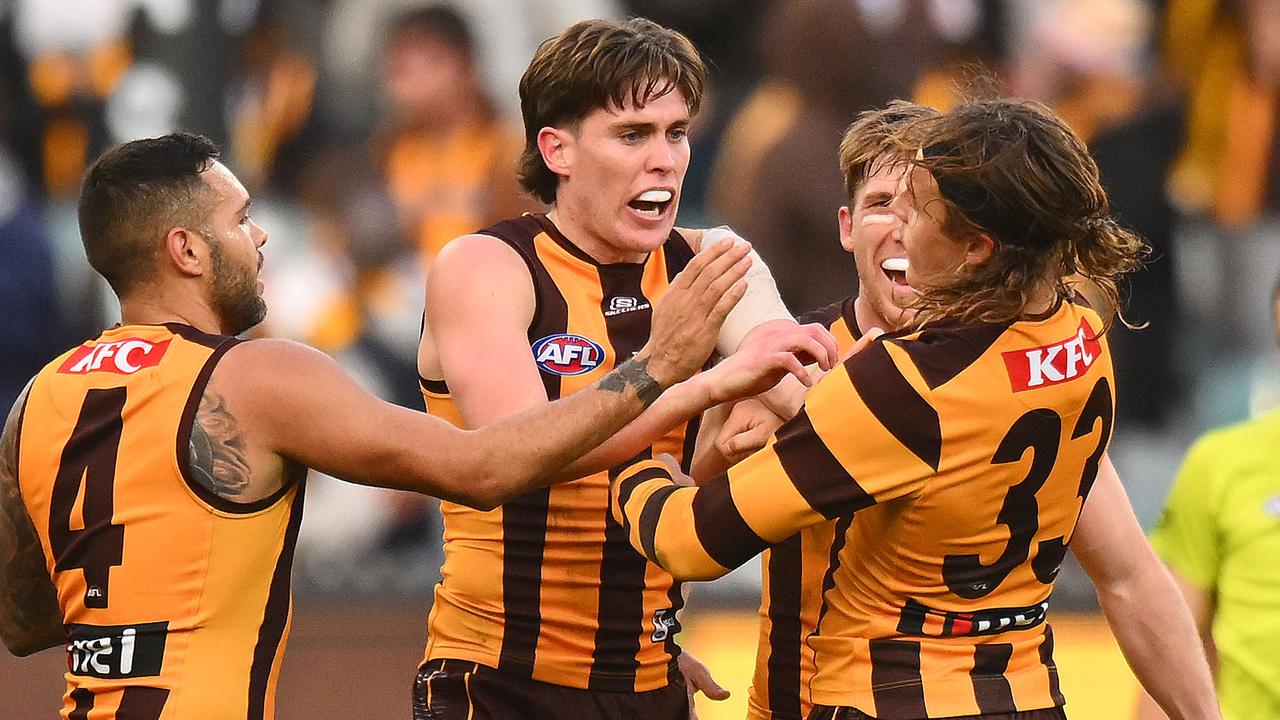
30,619
301,406
219,459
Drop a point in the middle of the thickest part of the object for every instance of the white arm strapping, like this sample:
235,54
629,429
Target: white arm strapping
760,304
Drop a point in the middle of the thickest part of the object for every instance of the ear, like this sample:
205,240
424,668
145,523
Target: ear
556,146
979,249
187,251
845,218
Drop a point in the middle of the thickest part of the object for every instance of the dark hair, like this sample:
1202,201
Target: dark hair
599,64
1013,170
870,136
134,194
438,21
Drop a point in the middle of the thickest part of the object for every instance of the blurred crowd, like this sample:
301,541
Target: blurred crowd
370,132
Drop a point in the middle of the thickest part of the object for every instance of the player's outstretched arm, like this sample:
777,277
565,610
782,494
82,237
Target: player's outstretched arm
1150,620
298,404
1202,606
30,619
480,302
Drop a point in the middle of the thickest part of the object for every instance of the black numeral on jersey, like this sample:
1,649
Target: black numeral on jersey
1038,431
1049,554
89,459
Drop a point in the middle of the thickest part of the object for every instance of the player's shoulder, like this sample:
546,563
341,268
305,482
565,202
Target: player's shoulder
266,362
479,261
939,354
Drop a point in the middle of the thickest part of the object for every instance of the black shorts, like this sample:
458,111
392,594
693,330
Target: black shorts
463,690
825,712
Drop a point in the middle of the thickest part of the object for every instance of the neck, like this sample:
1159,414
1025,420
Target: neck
145,309
1041,300
593,244
457,114
866,317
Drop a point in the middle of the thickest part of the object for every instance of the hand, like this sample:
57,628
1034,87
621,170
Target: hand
747,429
768,357
697,678
686,322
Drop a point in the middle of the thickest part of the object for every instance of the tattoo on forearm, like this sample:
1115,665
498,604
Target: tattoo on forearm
218,449
30,618
634,374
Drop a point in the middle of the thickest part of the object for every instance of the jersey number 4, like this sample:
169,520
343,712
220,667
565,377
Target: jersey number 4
1038,431
89,459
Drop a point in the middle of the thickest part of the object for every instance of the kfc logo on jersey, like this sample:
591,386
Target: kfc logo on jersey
1053,364
567,354
122,357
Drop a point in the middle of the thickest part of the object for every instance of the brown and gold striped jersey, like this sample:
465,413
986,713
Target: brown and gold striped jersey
966,453
547,585
176,601
791,596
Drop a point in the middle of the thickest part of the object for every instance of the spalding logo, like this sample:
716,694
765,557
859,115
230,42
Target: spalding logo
567,354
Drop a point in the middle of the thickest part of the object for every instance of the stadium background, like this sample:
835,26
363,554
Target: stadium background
368,137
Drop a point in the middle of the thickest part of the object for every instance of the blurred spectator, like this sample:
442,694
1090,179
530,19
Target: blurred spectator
273,132
776,180
76,53
447,159
33,326
506,32
30,324
725,32
1093,61
1225,54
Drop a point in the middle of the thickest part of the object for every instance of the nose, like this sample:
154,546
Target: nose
662,156
899,204
260,235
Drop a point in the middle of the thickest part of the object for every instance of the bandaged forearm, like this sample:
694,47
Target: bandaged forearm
760,304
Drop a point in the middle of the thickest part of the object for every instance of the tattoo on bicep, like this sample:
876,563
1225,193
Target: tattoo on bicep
30,618
634,374
219,450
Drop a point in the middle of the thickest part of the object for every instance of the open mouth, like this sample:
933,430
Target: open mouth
652,203
896,270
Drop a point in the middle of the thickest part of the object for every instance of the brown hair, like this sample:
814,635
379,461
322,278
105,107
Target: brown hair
134,194
599,64
1013,170
870,136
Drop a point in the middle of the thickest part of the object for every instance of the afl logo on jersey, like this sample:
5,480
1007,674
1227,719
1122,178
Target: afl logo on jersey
567,354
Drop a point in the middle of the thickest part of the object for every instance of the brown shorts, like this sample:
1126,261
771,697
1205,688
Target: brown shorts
824,712
463,690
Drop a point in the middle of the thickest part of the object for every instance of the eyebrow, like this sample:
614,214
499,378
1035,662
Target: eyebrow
627,126
247,203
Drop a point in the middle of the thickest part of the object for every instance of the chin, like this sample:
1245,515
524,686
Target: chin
644,239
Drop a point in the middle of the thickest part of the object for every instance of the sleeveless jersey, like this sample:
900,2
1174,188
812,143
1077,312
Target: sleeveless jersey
547,586
176,601
791,587
966,453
